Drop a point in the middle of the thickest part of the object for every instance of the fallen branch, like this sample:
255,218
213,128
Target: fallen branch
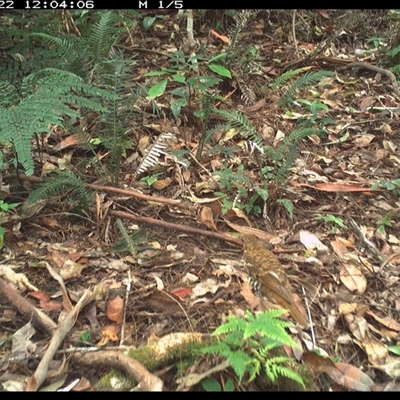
389,74
118,191
146,380
60,333
151,221
170,225
29,311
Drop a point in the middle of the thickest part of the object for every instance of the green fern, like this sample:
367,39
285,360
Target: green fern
286,76
298,134
230,180
247,344
47,97
273,369
239,120
59,183
310,78
288,206
127,240
86,56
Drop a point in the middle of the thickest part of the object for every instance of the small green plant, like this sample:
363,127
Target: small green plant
151,179
384,222
212,385
84,339
314,107
393,185
7,206
4,207
179,72
238,184
333,220
250,345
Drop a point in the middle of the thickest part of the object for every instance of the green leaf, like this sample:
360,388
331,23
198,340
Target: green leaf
179,78
176,106
180,91
229,386
157,73
394,349
211,385
158,89
148,22
220,70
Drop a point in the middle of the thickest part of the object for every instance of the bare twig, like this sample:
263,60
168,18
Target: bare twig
294,32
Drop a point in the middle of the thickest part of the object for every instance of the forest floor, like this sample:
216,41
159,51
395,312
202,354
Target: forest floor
331,216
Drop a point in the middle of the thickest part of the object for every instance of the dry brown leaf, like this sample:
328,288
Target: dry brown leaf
338,247
351,377
207,218
161,183
161,301
364,140
72,140
252,300
115,309
310,241
366,102
109,333
353,278
377,352
392,367
240,214
317,362
45,302
386,321
347,308
18,279
181,292
347,243
71,270
252,231
220,37
335,187
357,325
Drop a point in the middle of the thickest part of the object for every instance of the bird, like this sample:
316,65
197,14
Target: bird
267,277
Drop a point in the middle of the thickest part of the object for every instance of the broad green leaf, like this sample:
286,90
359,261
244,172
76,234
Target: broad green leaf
220,70
176,106
180,91
211,385
179,78
148,22
158,89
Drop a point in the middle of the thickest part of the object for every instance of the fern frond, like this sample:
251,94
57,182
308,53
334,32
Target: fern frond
310,78
65,44
102,37
127,238
58,183
274,369
47,97
153,154
8,95
232,324
288,206
246,128
286,76
287,163
298,134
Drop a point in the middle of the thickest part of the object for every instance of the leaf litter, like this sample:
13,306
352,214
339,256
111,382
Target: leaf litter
183,287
